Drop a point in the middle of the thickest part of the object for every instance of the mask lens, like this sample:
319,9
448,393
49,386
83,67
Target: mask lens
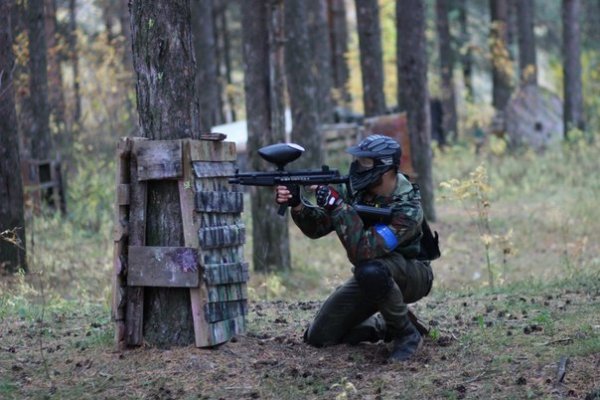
364,163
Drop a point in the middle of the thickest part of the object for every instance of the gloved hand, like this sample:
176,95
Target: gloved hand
283,192
328,198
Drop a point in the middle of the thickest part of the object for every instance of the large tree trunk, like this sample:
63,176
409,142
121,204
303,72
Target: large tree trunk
163,57
206,71
527,57
371,57
301,82
12,255
448,96
318,32
263,86
573,93
500,57
467,52
338,31
41,141
413,93
74,55
55,86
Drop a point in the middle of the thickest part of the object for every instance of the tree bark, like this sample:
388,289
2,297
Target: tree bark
413,93
126,33
163,58
207,83
41,141
55,82
12,255
263,85
302,88
318,32
573,92
371,57
466,52
338,30
500,57
527,56
74,61
448,96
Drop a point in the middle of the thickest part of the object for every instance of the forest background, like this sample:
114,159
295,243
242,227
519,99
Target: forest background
516,291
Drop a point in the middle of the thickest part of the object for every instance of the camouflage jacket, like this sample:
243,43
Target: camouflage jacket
402,234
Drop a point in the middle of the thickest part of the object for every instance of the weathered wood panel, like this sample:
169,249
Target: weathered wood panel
396,127
220,274
220,202
338,137
163,266
231,292
158,159
222,331
210,169
212,151
123,194
222,236
225,310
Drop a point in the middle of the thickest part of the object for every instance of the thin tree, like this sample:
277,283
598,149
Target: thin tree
206,71
318,35
371,57
338,31
527,56
12,220
55,82
41,141
301,83
448,96
573,92
500,57
262,26
74,56
466,51
413,95
163,58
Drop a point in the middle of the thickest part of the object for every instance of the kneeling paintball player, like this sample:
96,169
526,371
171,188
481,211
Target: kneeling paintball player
389,268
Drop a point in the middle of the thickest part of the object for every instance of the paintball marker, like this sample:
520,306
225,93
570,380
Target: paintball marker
282,154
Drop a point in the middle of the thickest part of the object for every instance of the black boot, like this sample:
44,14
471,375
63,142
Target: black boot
406,344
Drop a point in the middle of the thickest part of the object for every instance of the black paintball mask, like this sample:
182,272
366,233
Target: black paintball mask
373,157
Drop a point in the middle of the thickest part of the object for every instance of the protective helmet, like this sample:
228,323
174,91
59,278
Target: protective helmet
375,155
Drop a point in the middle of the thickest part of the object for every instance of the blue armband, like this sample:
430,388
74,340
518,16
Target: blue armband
390,239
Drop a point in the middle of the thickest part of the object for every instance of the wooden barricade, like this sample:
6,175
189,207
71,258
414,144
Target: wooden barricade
394,126
42,183
210,263
336,138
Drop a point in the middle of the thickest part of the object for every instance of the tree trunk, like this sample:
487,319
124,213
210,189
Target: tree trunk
527,57
223,47
573,92
74,61
500,58
206,71
126,33
339,47
163,57
12,255
55,86
318,32
263,85
448,97
301,82
413,93
41,142
467,52
371,57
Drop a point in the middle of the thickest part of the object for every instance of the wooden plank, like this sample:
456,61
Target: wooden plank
226,310
123,194
198,296
219,274
220,202
213,136
202,150
235,291
222,331
222,236
163,266
134,316
209,169
158,159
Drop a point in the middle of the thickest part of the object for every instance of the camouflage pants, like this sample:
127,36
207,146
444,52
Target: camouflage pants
347,307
